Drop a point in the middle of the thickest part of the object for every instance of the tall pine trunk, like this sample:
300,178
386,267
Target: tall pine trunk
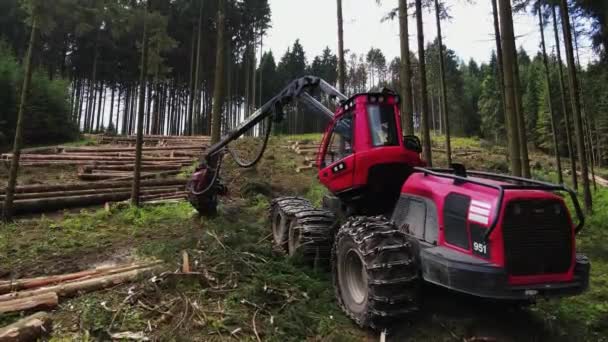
587,117
140,113
7,211
576,105
407,111
426,134
341,60
218,91
509,65
500,75
197,92
562,88
521,120
444,96
558,159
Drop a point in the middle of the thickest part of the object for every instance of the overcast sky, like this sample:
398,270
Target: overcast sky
469,32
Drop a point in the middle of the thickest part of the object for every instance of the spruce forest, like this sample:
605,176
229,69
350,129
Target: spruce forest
107,108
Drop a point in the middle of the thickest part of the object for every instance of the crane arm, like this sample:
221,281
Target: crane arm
204,186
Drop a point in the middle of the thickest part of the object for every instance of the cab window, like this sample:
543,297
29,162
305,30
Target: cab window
382,125
340,143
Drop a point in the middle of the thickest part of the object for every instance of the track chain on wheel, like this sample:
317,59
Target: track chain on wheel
302,229
375,274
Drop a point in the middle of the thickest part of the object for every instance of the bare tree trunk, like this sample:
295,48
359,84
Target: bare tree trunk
426,134
341,60
7,211
197,99
558,160
110,123
140,114
509,65
260,76
99,107
190,110
500,75
407,111
218,92
576,106
521,120
444,96
587,119
562,88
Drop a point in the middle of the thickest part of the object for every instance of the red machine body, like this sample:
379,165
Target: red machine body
389,222
484,236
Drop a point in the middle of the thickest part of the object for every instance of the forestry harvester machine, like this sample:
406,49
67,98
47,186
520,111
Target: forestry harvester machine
389,224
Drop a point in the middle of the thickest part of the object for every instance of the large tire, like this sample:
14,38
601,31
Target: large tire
375,273
300,229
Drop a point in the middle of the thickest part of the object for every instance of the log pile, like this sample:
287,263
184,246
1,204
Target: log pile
44,293
107,170
103,163
152,140
38,198
307,149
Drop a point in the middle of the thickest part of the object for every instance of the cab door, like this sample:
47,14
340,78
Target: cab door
337,162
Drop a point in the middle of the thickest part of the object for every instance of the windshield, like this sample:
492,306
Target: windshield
382,125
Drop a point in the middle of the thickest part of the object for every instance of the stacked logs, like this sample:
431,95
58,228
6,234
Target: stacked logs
152,140
309,150
112,163
39,198
108,170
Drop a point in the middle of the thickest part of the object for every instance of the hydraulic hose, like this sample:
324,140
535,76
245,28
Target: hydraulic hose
243,164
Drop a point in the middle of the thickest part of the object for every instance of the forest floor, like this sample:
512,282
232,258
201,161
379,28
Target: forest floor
250,289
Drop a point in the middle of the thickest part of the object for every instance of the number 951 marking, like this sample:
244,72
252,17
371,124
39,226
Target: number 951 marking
480,248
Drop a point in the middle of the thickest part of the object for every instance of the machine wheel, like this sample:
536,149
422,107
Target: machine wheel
300,228
375,274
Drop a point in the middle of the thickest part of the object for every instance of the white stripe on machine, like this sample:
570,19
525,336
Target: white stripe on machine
479,212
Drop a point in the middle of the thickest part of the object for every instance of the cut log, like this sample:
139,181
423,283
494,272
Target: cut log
31,283
129,167
30,328
89,186
304,168
158,175
164,196
124,149
72,288
47,157
56,203
40,195
45,163
44,300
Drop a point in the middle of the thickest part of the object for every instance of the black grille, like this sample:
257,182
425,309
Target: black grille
537,237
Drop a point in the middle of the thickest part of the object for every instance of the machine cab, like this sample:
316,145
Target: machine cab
363,154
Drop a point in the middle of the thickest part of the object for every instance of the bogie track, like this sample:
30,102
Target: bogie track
301,229
374,270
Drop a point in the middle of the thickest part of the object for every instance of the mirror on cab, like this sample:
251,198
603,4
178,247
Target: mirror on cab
412,143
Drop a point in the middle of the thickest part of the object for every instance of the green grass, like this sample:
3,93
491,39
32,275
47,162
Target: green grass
585,317
301,137
293,301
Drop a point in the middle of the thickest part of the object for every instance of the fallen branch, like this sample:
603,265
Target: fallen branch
31,283
255,330
30,328
72,288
